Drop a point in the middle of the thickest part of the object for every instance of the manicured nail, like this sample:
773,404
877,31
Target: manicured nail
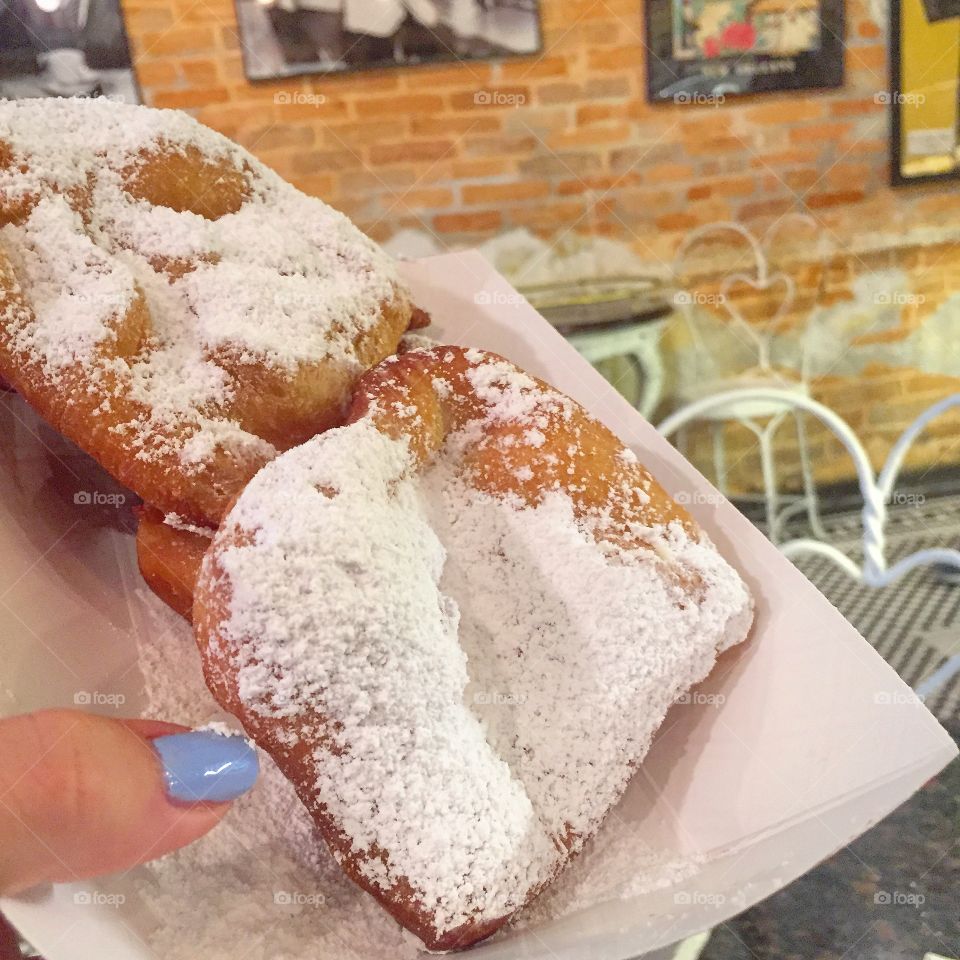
207,766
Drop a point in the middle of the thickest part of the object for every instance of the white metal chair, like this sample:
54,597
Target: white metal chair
752,393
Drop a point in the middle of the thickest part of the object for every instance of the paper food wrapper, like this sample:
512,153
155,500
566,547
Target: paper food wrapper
800,740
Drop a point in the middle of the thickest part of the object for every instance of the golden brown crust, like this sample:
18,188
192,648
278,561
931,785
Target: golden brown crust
93,403
425,396
170,559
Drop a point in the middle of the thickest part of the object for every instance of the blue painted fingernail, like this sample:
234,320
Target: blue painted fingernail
207,766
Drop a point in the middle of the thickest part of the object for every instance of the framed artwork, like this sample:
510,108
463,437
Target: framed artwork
924,90
284,38
65,48
703,50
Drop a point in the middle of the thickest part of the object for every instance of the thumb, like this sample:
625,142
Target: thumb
82,795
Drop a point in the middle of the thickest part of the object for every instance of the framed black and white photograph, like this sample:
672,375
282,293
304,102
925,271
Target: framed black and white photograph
289,37
65,48
704,50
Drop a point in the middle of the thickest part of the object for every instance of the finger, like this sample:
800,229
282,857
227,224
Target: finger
9,942
82,795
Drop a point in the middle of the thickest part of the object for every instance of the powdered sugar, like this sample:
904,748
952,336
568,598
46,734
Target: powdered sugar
494,673
284,281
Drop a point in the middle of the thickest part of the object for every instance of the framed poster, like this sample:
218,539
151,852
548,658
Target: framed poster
702,50
924,90
65,48
282,38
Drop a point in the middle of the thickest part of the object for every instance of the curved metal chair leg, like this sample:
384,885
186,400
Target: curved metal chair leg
809,483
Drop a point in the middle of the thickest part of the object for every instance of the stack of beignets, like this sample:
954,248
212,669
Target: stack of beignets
173,306
450,604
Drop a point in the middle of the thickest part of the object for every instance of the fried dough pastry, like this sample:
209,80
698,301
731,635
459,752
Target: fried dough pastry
173,306
169,554
455,624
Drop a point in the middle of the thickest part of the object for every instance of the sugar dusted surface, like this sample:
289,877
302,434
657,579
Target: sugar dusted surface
285,281
232,893
494,672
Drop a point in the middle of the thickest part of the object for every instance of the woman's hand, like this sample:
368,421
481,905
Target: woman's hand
83,795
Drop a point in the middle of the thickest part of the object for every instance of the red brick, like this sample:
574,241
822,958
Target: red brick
479,222
786,111
431,198
470,73
498,146
412,150
177,41
591,136
439,125
157,73
820,131
187,99
667,172
520,70
398,106
819,201
627,57
496,192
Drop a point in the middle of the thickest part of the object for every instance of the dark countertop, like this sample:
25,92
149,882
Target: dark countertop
893,894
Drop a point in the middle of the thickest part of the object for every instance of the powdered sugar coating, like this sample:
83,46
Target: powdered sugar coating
282,282
493,671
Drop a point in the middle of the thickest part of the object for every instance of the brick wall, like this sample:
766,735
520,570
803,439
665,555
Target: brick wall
582,150
571,145
878,403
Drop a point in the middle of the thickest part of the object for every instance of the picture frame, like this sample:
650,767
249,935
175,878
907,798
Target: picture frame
285,38
702,51
924,96
59,48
